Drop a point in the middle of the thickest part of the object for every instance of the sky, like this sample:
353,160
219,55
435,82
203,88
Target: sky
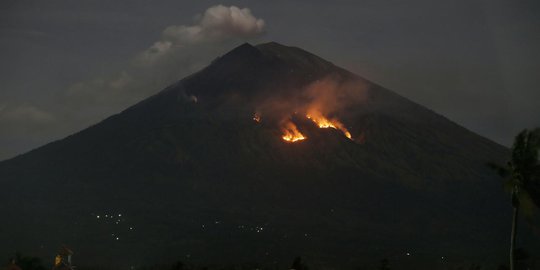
69,64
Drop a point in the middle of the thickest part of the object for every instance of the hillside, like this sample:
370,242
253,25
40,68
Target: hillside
189,174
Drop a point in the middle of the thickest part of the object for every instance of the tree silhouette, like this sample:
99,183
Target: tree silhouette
522,173
28,263
179,265
298,264
384,264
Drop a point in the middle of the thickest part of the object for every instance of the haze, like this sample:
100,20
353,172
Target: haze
67,65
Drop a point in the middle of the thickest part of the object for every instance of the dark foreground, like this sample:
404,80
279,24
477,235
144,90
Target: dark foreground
524,262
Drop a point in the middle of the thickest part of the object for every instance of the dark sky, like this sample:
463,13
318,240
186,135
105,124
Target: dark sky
68,64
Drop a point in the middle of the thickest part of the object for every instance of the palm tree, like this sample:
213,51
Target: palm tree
28,262
522,173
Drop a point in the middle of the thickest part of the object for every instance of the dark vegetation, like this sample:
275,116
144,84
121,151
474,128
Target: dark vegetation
34,263
522,179
25,263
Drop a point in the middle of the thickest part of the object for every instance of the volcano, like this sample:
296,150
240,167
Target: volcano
201,172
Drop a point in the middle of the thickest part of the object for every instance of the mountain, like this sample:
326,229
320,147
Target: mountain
201,172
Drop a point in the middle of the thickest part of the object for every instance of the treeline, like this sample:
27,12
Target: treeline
34,263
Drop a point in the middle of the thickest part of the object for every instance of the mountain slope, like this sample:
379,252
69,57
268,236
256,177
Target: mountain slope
188,174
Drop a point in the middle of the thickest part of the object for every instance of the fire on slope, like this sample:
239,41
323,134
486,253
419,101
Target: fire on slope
257,117
322,102
291,133
323,122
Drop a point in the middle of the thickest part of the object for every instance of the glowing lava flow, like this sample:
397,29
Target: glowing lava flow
291,133
324,122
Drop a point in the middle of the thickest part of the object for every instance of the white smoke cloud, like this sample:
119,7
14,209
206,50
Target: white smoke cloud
23,124
217,24
24,114
180,51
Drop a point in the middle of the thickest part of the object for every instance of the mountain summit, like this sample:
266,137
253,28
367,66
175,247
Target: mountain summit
268,153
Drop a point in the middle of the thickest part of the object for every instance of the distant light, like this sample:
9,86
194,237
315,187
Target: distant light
442,258
97,216
408,254
131,228
117,238
119,215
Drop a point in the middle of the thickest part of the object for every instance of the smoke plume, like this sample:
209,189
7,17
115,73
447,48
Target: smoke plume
180,51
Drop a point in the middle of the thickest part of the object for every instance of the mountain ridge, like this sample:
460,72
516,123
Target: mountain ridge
193,149
273,46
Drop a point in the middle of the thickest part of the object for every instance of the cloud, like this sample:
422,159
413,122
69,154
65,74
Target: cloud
24,114
180,51
217,24
21,125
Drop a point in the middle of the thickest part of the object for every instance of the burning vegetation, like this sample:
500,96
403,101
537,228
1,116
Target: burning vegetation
257,117
324,122
322,102
291,133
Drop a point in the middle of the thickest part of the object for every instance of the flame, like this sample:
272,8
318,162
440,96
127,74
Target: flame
291,133
257,117
324,122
